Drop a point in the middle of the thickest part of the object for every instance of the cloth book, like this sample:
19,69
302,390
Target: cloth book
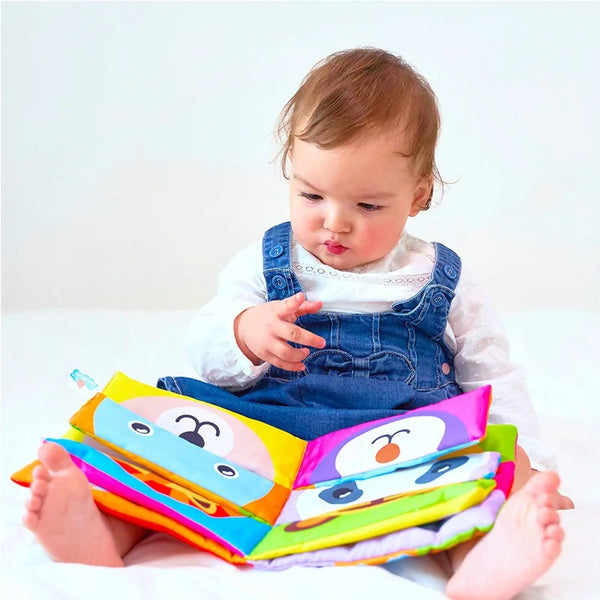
406,485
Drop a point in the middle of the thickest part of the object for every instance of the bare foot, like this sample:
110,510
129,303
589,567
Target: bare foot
62,514
525,541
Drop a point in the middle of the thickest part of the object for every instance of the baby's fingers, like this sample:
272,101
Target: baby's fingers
288,307
287,357
303,337
309,307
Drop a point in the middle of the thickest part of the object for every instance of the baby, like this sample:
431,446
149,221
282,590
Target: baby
341,317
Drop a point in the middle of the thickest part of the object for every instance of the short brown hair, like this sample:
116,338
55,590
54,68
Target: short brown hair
359,91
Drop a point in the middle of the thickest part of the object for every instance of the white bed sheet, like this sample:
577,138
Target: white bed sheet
559,350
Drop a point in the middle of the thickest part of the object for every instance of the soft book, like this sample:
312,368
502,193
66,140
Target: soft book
422,481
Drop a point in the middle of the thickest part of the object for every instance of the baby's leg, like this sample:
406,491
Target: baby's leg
523,544
64,518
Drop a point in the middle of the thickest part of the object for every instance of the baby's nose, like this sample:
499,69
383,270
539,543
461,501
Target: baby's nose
336,222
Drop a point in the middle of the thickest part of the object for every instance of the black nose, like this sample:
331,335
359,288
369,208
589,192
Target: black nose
193,437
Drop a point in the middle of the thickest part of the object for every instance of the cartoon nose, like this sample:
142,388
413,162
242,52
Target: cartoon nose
388,453
193,437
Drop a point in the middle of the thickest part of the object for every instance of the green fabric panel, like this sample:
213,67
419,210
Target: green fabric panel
372,520
500,438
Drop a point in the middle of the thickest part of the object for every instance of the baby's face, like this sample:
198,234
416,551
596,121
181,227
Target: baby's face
349,205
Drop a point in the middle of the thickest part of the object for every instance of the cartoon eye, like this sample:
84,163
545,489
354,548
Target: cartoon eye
140,428
441,467
341,493
226,470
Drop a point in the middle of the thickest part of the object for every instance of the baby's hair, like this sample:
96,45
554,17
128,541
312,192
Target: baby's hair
360,91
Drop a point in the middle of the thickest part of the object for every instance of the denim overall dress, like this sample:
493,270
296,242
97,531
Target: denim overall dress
373,366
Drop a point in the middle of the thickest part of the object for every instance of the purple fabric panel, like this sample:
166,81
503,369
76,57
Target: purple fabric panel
464,415
480,517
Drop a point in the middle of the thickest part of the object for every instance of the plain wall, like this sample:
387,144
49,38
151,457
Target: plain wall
137,141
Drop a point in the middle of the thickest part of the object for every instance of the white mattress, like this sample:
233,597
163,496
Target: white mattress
559,351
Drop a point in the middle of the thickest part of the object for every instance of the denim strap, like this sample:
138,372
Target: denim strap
277,262
447,266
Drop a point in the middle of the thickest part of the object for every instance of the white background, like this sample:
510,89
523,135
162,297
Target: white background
137,141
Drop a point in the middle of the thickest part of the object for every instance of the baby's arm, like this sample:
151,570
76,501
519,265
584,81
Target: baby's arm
210,339
262,332
482,358
235,336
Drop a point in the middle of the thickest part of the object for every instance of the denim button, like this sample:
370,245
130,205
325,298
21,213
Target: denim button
446,369
438,299
278,281
450,272
276,251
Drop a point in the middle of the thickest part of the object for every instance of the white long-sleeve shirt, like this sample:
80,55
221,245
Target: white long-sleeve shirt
474,331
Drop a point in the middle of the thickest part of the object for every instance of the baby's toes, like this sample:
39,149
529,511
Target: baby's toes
40,473
554,532
547,516
31,519
54,457
551,548
39,487
33,504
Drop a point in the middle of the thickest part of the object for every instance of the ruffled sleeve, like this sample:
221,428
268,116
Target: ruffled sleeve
483,357
210,339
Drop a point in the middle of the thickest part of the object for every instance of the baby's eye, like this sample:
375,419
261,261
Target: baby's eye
311,197
369,207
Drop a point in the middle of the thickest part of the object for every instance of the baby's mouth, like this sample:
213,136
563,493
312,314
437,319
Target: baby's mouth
334,247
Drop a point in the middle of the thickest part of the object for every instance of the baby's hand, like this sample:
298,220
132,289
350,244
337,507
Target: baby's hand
263,332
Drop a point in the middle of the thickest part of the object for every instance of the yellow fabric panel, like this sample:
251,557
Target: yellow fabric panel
285,449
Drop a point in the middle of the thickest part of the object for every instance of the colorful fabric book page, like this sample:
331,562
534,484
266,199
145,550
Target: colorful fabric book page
420,534
247,491
374,447
143,441
248,442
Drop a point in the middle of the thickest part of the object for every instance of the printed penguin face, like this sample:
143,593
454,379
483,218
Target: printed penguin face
393,443
209,428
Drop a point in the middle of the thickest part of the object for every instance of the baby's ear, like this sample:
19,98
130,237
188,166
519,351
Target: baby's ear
422,196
